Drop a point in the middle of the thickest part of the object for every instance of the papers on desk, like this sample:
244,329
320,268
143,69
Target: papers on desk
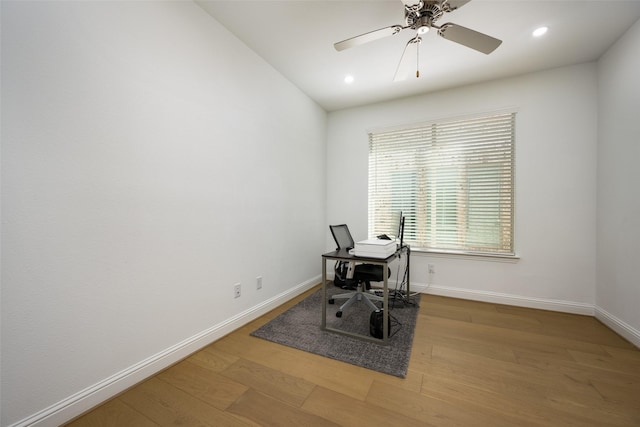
375,248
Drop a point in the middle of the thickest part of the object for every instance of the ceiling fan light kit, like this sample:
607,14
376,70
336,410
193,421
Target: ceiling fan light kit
420,16
425,23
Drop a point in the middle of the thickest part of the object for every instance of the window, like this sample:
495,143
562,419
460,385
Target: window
452,180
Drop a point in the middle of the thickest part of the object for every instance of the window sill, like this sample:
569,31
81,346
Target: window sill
466,255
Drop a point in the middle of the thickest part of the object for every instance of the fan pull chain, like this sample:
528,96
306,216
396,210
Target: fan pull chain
418,61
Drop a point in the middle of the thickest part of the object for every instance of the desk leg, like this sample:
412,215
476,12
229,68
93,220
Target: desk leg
385,304
408,274
324,293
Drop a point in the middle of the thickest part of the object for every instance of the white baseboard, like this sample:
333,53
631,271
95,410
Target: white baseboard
507,299
497,298
620,327
623,329
90,397
500,298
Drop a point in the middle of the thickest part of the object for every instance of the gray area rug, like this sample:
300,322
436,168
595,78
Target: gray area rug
299,327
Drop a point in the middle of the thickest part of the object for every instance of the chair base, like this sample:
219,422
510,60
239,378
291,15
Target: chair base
352,297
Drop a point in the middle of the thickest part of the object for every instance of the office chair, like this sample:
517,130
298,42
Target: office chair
363,274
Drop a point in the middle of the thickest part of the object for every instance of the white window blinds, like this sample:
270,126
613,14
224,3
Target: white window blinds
453,182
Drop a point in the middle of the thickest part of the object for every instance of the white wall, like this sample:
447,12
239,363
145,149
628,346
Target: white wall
556,128
618,218
150,161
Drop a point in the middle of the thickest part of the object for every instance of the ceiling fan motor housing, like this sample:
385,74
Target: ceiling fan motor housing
422,15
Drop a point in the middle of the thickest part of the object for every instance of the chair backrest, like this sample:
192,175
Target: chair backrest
342,236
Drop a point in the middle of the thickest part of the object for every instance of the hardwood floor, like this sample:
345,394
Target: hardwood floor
472,364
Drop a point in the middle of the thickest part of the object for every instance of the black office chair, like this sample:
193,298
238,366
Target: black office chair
363,274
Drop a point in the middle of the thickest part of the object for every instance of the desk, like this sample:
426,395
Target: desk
344,255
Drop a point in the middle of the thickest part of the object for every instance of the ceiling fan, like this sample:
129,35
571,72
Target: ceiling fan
421,16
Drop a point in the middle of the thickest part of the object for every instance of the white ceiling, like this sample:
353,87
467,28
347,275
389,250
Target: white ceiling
296,38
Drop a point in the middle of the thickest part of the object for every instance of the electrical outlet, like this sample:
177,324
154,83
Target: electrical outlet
259,282
432,269
236,290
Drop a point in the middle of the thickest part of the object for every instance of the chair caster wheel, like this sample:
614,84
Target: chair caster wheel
331,301
338,314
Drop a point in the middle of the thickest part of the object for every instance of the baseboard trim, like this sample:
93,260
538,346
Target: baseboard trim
92,396
617,325
622,328
508,299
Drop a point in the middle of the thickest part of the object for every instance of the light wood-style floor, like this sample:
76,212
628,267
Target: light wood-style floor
472,364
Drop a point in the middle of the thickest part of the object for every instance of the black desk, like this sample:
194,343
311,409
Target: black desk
344,255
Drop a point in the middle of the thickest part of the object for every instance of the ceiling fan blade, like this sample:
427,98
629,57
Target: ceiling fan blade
406,60
368,37
470,38
451,4
456,4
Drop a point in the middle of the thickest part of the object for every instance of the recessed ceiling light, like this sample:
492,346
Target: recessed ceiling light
348,79
540,31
